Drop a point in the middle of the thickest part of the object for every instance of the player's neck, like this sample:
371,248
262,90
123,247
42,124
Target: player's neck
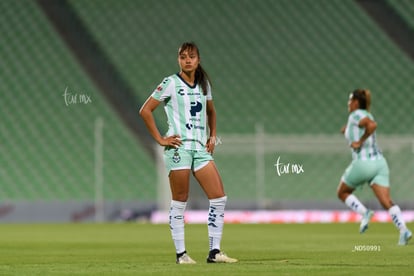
189,77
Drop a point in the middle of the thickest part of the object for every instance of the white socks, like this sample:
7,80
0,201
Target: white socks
177,224
397,219
353,202
216,221
395,212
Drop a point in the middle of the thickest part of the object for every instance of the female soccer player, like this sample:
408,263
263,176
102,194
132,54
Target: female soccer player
191,117
368,165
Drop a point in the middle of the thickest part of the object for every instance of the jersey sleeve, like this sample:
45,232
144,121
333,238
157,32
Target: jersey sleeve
209,96
163,90
357,116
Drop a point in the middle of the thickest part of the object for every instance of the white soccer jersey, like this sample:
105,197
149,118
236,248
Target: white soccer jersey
369,149
186,108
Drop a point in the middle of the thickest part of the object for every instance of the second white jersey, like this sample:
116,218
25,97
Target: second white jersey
353,132
186,110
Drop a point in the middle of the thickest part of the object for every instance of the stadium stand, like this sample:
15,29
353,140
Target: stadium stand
47,140
405,8
285,65
249,53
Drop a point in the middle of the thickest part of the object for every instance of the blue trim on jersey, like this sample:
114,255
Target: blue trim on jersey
192,87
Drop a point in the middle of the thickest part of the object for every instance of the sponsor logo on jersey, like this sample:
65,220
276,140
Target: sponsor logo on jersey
195,108
181,92
190,126
163,84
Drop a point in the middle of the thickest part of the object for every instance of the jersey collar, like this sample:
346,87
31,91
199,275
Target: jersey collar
186,83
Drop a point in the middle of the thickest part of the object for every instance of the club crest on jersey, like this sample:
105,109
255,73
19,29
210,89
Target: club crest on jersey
176,157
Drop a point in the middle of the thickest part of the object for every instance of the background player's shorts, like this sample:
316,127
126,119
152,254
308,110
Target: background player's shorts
178,159
360,172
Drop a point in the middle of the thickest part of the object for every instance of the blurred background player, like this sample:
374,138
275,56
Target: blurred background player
368,165
191,117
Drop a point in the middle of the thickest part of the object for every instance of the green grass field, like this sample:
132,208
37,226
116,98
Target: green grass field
263,249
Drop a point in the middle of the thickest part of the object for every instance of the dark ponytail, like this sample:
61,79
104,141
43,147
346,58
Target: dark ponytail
201,76
363,96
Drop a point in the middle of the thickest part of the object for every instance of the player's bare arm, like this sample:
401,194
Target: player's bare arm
211,120
369,126
146,113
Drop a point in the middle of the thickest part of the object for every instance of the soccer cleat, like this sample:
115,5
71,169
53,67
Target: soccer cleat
365,220
216,256
185,259
405,237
